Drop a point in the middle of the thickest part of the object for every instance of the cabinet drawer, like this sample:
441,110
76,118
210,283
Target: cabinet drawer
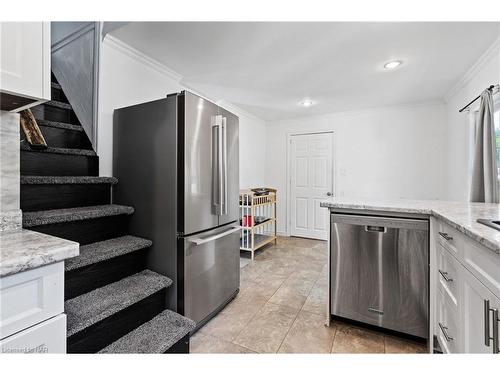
484,264
450,238
30,297
46,337
448,275
479,260
447,325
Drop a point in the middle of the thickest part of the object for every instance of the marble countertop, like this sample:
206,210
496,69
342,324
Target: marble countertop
22,250
460,215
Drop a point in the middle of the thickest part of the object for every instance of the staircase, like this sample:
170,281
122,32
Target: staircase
114,304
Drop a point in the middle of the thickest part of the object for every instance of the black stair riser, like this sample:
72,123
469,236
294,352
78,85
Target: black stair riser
64,138
103,333
50,164
51,197
58,95
87,231
93,276
181,346
51,113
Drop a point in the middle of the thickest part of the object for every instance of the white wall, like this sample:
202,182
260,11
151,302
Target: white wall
128,77
252,152
460,130
380,153
252,147
124,80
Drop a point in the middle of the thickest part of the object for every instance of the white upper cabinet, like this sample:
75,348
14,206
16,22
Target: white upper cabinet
24,63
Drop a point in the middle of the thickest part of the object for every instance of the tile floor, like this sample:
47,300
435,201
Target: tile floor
281,308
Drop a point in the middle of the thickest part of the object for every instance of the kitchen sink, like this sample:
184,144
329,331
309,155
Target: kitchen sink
491,223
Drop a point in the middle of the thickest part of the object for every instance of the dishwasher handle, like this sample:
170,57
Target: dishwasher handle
373,223
375,228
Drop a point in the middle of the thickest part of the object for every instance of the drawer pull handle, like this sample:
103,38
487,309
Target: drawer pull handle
445,236
496,343
445,333
445,276
487,322
496,319
377,311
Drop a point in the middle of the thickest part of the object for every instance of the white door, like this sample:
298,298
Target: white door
311,181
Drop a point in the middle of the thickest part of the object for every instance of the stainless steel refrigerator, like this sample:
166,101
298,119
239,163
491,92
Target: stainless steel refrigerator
177,162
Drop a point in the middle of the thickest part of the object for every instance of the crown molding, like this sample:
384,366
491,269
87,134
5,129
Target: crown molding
141,57
490,53
241,112
161,68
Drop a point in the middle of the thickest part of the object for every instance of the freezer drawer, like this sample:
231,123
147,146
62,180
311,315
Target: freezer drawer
379,272
211,271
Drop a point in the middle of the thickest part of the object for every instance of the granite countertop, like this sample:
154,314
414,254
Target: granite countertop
22,250
461,215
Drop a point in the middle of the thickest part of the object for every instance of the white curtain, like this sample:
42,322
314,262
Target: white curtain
484,183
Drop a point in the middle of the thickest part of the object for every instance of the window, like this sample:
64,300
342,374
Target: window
496,117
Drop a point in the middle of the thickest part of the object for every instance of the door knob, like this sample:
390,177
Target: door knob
329,194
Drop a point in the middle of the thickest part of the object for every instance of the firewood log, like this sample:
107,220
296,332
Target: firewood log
31,130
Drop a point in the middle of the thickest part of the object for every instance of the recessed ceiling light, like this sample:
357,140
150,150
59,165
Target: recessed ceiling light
306,103
392,64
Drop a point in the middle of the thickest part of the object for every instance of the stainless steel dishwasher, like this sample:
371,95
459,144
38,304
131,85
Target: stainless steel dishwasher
379,271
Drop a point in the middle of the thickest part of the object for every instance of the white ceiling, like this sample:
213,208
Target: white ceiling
267,68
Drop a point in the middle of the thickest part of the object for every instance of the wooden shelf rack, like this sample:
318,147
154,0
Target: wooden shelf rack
257,220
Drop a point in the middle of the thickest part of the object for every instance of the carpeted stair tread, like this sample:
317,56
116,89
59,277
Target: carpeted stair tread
103,250
55,85
92,307
34,218
154,336
60,125
57,150
62,180
54,103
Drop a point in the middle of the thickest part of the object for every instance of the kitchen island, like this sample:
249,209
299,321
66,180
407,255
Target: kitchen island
464,267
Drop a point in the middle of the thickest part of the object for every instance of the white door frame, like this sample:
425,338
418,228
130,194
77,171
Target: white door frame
288,194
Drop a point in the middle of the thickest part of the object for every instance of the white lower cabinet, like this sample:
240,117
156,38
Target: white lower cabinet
46,337
30,297
467,299
31,311
447,330
480,330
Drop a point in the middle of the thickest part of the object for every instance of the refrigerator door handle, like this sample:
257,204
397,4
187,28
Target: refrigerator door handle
220,152
217,123
214,164
202,240
224,162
